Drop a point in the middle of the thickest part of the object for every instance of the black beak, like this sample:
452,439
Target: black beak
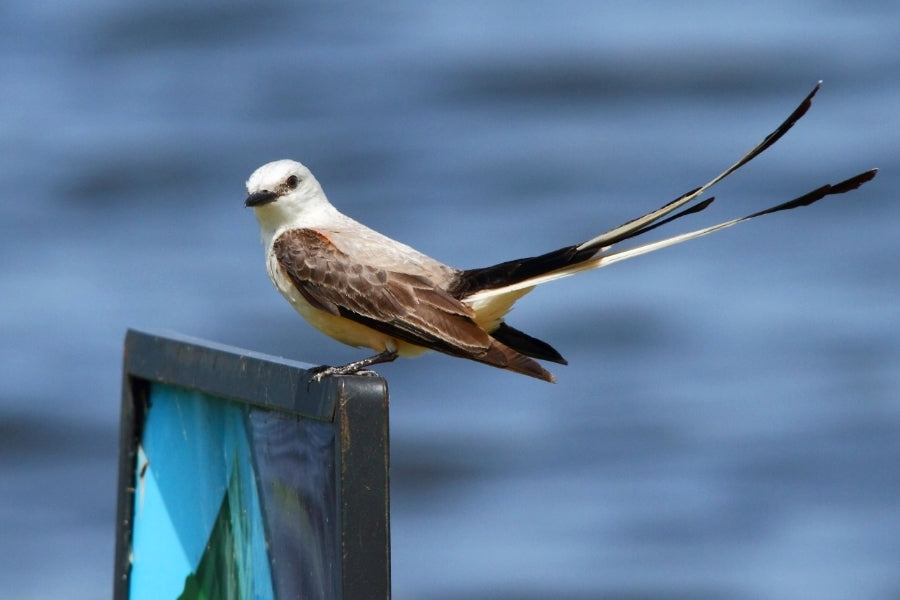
259,198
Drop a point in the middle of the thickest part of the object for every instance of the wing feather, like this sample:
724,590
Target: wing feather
405,306
401,305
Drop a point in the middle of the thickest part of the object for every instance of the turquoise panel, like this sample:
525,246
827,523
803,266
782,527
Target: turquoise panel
155,544
196,456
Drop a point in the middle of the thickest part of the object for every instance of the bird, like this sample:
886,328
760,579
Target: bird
365,289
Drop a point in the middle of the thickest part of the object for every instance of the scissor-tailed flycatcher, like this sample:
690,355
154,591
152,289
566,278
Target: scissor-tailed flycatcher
365,289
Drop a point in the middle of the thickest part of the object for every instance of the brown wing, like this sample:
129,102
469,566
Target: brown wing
404,306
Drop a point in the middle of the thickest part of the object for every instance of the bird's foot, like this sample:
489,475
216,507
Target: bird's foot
321,372
354,368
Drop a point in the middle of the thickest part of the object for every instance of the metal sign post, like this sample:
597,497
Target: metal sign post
239,480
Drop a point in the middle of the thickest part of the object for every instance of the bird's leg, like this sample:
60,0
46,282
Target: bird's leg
320,373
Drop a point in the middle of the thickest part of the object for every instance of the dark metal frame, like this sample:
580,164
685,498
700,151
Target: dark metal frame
356,405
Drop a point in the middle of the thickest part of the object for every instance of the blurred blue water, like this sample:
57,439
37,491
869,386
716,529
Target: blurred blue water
729,424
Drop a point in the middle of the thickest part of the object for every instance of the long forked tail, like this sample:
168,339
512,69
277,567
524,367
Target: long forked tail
603,259
516,277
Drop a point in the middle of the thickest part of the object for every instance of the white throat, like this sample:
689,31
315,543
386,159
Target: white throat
304,208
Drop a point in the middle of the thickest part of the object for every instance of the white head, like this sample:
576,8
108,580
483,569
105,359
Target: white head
283,194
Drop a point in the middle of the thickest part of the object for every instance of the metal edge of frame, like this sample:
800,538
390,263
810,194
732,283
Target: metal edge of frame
364,477
240,374
132,390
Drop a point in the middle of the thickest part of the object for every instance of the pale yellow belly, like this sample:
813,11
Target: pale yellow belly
352,333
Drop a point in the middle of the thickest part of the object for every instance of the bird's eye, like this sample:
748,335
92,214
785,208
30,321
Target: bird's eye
292,181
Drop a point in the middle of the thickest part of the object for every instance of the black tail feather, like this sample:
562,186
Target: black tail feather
514,271
527,345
